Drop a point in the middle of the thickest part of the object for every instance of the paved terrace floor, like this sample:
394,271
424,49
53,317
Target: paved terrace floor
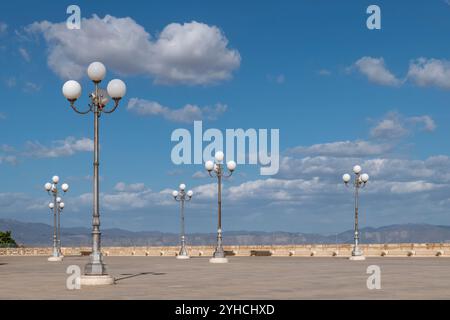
242,278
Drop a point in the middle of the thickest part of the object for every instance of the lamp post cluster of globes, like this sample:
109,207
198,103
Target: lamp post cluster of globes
56,206
216,170
95,272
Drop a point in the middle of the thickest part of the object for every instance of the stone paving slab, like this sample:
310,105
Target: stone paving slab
242,278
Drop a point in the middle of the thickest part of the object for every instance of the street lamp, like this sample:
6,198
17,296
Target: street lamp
95,272
52,189
215,169
359,182
182,196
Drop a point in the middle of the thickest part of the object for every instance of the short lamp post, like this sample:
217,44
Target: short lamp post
95,272
359,182
55,206
182,196
216,170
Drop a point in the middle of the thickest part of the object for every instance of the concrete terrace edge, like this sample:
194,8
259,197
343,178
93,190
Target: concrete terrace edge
311,250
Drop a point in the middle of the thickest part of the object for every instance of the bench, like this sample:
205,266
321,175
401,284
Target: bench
260,253
85,253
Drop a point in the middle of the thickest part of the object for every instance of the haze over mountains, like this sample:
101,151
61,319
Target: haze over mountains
40,234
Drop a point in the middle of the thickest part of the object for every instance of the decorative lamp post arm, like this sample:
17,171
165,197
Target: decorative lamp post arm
74,108
116,104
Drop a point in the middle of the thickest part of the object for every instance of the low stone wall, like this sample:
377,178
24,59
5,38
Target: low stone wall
313,250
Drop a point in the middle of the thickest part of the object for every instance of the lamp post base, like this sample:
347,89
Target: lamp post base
218,260
357,258
55,259
96,280
183,257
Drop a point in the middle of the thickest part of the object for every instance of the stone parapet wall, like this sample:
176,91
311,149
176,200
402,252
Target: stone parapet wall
313,250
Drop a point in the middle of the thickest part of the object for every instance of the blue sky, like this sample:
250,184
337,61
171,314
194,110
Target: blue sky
339,93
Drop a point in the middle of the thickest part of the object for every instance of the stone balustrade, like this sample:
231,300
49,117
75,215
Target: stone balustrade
312,250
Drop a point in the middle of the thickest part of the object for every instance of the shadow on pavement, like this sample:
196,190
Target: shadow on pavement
128,275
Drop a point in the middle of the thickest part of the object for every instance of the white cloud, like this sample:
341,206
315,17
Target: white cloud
278,79
427,122
11,82
59,148
389,129
31,87
395,126
186,114
191,53
3,28
324,72
134,187
8,159
375,70
275,189
25,55
199,175
430,72
343,149
413,187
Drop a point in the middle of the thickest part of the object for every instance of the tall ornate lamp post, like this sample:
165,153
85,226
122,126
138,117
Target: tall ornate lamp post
95,272
359,182
52,189
216,170
61,206
182,196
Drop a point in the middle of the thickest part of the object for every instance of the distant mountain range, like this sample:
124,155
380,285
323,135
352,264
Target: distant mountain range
40,234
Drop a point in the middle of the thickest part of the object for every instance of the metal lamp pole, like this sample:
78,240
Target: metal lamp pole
60,206
216,170
95,271
182,196
52,190
359,182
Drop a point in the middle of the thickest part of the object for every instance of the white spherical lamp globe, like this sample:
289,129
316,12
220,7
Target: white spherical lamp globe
55,179
62,205
357,169
346,177
209,165
71,90
58,199
231,165
65,187
364,177
219,156
48,186
51,205
116,89
96,71
190,193
175,193
182,187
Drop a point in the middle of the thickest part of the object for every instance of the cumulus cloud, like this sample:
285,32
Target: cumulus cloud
186,114
134,187
376,71
191,53
430,72
59,148
395,126
343,149
413,186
